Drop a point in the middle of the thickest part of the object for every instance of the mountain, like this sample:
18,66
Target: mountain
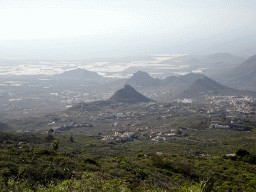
208,86
222,57
142,79
191,77
78,74
215,63
180,82
241,77
129,95
173,80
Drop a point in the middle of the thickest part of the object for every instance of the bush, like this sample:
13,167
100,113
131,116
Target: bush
249,159
44,151
242,152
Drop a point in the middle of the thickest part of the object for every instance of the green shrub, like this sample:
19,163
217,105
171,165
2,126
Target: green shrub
242,152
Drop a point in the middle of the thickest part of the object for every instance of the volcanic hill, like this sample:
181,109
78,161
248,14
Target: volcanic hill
129,95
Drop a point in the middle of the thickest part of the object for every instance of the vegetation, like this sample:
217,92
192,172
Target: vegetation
58,163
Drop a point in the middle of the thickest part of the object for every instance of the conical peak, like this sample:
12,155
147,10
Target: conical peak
127,86
130,95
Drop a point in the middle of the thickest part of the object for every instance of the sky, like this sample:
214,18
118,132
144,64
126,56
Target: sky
76,29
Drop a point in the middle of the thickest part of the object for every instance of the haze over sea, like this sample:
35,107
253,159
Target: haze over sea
105,68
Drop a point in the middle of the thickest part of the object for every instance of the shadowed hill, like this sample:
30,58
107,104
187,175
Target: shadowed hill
129,95
208,86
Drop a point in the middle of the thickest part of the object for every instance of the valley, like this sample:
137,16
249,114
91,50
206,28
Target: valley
148,131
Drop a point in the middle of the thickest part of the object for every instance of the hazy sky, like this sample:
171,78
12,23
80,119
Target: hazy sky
39,28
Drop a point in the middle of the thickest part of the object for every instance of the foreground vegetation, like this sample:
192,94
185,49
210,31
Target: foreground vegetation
82,163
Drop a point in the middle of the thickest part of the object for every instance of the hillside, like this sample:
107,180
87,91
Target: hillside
242,77
208,86
71,162
128,95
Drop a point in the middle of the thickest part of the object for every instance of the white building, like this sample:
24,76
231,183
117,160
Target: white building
222,126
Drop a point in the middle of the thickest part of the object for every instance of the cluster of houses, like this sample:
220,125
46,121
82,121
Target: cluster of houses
154,135
234,124
244,104
218,126
119,134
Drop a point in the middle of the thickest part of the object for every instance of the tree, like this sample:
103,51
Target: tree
208,185
242,152
55,145
223,116
179,132
71,139
50,130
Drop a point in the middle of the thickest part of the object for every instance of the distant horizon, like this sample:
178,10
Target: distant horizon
124,56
